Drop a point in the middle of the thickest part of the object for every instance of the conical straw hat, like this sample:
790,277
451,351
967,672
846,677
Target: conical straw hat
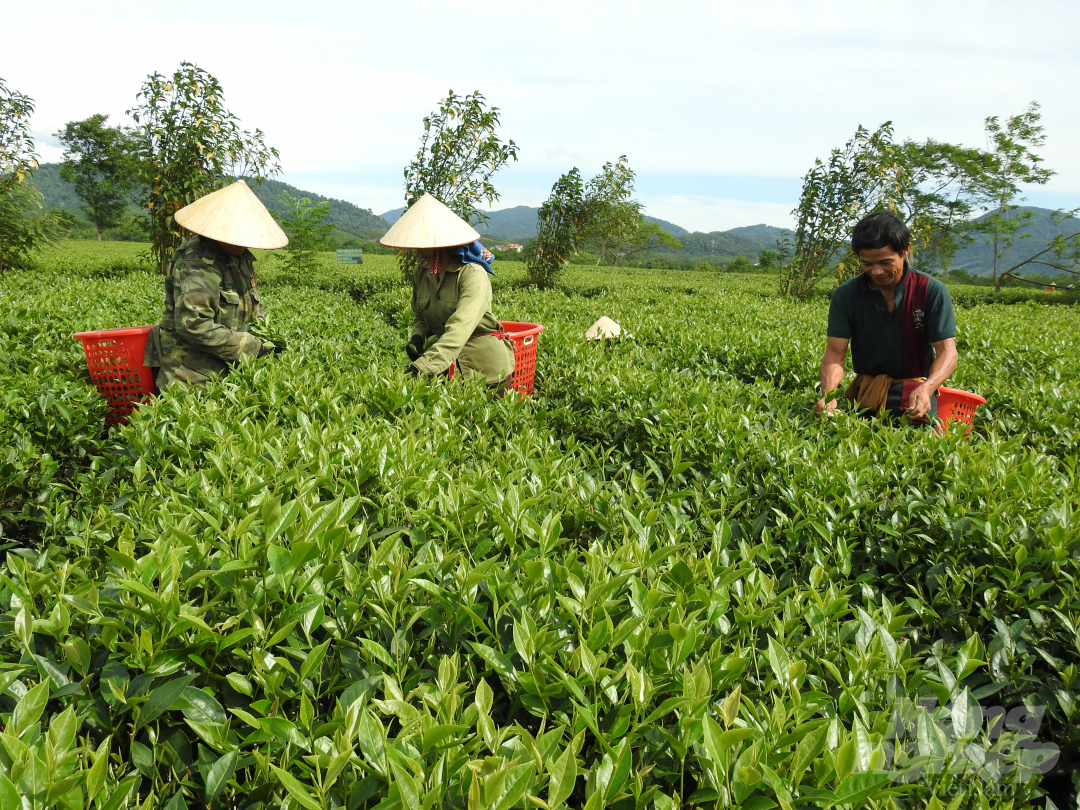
604,328
235,216
429,224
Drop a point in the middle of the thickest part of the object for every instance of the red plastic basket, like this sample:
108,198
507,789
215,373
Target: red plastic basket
115,360
952,403
525,336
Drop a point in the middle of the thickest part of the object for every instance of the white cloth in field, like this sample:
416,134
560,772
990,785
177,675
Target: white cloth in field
605,328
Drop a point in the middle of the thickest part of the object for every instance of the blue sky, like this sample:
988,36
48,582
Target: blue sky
720,106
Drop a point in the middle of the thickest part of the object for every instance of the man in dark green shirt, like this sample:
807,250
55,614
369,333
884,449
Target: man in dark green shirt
900,325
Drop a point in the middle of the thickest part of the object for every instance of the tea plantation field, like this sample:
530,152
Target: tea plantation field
659,583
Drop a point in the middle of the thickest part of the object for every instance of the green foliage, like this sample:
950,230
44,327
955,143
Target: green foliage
741,264
937,188
597,214
190,145
863,176
17,156
459,153
100,161
24,227
660,581
308,230
643,238
1014,161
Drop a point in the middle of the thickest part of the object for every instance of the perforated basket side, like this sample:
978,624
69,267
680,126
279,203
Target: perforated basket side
114,359
525,337
524,364
958,406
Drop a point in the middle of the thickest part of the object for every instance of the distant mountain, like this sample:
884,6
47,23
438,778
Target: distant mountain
668,227
351,220
519,223
978,258
58,193
747,241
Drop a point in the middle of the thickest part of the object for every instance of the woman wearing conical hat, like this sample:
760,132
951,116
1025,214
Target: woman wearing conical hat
451,297
210,295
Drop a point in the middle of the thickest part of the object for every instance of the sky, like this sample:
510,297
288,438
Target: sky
720,106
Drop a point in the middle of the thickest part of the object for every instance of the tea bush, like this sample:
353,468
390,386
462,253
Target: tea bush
660,582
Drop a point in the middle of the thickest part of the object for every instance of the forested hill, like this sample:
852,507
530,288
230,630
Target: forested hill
348,217
748,241
351,220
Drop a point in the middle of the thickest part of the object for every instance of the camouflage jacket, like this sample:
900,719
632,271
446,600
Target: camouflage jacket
210,300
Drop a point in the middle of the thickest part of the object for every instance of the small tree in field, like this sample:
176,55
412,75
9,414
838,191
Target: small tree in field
1014,161
836,194
937,187
307,227
17,155
459,153
190,145
100,162
576,213
642,238
23,225
933,186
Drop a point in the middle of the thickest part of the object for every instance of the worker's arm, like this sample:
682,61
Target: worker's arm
832,372
945,358
199,299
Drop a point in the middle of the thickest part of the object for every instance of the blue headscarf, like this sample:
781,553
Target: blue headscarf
475,253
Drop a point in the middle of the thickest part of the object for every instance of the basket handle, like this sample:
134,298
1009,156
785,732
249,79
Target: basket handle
528,339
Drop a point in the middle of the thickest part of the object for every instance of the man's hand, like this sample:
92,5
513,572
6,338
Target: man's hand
919,402
415,347
268,348
821,406
832,374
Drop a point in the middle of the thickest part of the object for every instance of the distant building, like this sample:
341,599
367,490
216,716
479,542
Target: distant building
511,246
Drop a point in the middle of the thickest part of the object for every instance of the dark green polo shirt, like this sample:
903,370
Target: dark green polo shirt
858,313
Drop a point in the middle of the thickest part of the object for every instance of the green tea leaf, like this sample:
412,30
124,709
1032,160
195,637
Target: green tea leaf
162,699
200,706
29,708
495,659
220,773
562,778
313,660
295,788
283,521
406,785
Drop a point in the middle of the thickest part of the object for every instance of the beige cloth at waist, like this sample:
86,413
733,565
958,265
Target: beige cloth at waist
872,391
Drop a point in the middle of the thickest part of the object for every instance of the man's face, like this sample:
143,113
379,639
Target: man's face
884,266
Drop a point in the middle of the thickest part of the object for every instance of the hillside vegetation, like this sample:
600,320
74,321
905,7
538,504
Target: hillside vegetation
659,582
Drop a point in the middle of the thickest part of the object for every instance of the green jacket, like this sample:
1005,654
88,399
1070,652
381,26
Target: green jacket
210,299
455,304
